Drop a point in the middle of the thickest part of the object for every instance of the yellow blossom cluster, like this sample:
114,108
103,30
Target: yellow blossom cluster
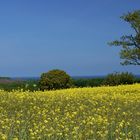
101,113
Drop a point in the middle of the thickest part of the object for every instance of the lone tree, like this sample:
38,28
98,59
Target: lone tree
130,44
55,79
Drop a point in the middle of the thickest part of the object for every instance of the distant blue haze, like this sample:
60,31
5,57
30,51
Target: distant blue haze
73,77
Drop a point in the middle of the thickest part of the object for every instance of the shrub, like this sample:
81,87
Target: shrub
54,79
119,78
88,82
30,85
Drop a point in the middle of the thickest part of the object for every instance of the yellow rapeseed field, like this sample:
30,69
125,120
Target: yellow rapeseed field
101,113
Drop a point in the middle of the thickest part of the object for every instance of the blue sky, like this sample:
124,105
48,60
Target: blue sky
40,35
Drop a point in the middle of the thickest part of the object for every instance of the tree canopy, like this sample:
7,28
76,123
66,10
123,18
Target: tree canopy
130,51
55,79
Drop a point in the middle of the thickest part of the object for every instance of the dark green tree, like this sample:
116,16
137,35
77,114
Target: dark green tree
130,51
116,78
55,79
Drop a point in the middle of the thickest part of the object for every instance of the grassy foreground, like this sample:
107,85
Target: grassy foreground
103,113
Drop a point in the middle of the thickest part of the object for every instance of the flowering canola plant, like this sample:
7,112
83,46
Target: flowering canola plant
101,113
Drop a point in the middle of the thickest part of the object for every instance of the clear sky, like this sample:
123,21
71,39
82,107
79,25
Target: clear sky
72,35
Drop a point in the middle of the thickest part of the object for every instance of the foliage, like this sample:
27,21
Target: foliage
103,113
137,80
55,79
31,85
130,43
119,78
88,82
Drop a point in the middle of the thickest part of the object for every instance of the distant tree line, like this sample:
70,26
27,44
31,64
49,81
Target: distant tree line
59,79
